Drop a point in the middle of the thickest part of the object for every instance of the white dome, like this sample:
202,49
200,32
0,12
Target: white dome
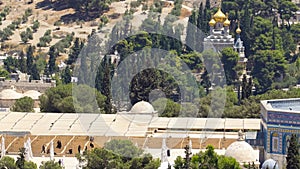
270,163
33,94
241,151
10,94
142,107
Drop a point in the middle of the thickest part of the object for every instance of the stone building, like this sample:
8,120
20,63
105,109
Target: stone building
279,120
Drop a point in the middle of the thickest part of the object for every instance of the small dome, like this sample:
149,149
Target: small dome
226,22
212,22
271,164
219,16
142,107
10,94
241,151
33,94
238,30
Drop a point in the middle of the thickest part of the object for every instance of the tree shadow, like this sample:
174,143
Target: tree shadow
79,15
57,5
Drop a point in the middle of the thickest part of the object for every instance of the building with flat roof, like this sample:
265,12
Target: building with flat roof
280,119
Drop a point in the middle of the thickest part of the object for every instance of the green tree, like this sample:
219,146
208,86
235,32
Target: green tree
21,159
24,104
208,160
35,75
63,99
66,75
30,165
52,59
7,162
50,165
229,59
191,32
22,63
35,26
26,35
101,158
29,59
292,159
268,66
4,73
75,51
124,148
166,107
227,162
10,64
287,10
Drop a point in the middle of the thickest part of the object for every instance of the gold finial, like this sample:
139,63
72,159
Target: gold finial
238,30
226,22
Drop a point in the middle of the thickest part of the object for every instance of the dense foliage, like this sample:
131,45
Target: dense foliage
293,158
24,104
118,154
70,99
204,160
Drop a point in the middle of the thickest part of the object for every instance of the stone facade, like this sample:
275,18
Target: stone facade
280,119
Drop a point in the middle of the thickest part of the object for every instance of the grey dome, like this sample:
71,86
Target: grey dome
142,107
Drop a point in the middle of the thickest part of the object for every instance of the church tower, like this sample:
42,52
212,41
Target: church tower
219,36
239,47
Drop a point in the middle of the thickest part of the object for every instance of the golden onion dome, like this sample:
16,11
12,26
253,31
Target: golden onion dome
212,22
226,22
238,30
219,16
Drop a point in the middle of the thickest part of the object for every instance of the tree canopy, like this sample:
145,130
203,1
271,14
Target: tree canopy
110,157
70,99
25,104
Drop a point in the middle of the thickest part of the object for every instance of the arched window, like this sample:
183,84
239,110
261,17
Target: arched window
275,142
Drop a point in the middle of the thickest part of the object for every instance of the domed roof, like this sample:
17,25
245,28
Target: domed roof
10,94
212,22
271,164
226,22
238,30
219,16
241,151
33,94
142,107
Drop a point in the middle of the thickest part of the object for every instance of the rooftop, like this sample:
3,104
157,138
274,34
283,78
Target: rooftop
289,105
115,124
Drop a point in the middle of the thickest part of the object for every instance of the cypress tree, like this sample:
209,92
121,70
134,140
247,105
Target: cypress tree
191,32
66,75
29,60
244,87
206,17
246,26
75,50
35,73
22,63
52,59
249,88
200,16
292,159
